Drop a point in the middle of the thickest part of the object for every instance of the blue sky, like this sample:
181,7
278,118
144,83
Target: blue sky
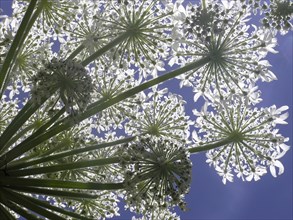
269,198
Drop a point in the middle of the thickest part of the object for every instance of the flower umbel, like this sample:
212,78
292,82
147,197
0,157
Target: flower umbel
158,173
161,116
235,54
249,141
146,24
278,15
71,81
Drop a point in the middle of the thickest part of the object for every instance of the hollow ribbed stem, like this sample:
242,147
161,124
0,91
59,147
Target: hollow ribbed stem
17,209
26,202
12,181
203,3
97,108
107,47
19,135
20,119
16,123
75,52
47,205
5,214
211,146
18,39
23,147
22,164
54,192
62,167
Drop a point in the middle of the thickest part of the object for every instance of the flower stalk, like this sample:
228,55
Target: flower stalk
63,167
19,38
214,145
24,147
42,183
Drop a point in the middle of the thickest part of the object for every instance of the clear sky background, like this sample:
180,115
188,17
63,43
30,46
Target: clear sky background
268,199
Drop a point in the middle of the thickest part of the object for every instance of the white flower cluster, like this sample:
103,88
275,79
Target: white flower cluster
110,82
247,139
69,79
157,214
104,206
7,111
278,13
161,115
157,173
236,53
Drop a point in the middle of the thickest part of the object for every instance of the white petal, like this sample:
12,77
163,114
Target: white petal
249,178
271,50
280,166
284,147
195,136
172,61
273,170
196,96
284,116
283,108
280,121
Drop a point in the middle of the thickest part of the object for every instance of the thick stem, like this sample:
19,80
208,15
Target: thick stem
16,123
19,135
104,49
97,108
54,192
5,214
203,3
214,145
25,113
12,53
26,202
12,181
22,164
47,205
62,167
24,213
75,52
21,148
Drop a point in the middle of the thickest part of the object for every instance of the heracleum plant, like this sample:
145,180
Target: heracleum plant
84,124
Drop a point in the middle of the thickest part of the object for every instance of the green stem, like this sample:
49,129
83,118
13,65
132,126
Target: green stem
76,52
22,164
5,214
207,147
47,124
21,118
12,181
62,167
23,147
104,49
53,192
203,3
21,34
98,108
28,145
28,28
19,135
16,123
47,205
24,213
24,201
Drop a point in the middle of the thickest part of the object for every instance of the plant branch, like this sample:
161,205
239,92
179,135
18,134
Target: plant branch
62,167
12,181
12,53
211,146
104,49
21,148
22,164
